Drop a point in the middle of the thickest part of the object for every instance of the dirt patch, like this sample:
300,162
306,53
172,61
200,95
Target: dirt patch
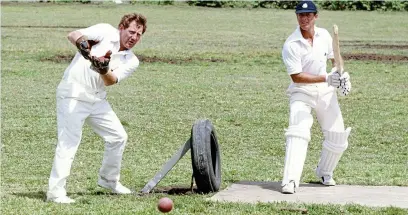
59,58
375,57
155,59
378,46
374,44
142,58
384,46
42,26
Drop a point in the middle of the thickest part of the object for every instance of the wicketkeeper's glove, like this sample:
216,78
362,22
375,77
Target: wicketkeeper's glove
101,64
84,46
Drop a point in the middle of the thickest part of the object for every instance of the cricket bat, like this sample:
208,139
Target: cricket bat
336,50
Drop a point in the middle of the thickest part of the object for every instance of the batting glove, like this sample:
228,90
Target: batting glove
333,78
345,88
344,79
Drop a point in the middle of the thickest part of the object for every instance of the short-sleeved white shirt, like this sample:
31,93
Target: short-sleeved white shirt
299,56
83,83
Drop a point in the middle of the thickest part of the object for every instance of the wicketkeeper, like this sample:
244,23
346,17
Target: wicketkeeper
305,54
104,58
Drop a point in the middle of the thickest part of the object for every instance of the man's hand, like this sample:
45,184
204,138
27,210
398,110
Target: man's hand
84,46
333,78
101,64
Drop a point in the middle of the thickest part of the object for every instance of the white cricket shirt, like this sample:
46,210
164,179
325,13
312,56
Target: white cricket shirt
299,56
83,83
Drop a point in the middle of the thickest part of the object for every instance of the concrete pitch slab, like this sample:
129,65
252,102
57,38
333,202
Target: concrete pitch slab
374,196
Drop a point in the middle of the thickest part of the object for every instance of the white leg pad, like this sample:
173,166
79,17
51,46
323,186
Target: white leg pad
297,141
334,144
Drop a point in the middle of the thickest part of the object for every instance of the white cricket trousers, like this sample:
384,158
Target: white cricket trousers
321,98
304,98
71,115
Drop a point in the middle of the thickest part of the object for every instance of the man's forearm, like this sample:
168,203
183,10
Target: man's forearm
307,78
74,36
109,78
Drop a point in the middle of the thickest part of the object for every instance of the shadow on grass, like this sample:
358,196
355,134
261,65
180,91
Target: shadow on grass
276,185
32,195
93,193
176,190
43,196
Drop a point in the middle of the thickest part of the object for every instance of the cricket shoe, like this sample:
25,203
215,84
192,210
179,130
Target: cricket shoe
61,199
328,180
289,188
115,187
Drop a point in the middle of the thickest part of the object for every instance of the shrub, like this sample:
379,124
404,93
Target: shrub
326,4
158,2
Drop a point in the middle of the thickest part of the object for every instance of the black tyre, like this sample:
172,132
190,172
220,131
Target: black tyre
205,156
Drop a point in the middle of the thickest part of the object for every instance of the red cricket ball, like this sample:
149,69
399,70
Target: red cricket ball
165,205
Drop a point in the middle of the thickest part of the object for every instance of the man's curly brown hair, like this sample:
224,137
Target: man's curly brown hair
129,18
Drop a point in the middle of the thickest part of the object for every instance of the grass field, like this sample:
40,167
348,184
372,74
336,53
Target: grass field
220,64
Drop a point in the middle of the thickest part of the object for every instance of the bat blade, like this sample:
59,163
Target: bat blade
336,50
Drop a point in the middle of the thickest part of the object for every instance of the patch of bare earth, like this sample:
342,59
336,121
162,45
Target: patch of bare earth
362,44
155,59
374,57
59,58
143,59
383,44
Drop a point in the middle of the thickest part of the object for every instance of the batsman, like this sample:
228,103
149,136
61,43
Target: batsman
305,54
104,58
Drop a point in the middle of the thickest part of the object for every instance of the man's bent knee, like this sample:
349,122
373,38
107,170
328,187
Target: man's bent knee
119,137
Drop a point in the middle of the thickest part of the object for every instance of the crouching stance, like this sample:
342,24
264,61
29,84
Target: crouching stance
104,58
305,54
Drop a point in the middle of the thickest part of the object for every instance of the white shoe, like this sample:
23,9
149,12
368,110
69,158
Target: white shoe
116,187
289,188
61,199
328,180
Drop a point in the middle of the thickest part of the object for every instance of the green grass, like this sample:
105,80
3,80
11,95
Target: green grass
243,94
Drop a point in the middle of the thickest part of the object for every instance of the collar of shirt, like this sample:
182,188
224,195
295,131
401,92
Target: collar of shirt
297,36
116,41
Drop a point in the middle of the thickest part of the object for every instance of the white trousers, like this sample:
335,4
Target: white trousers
71,115
323,100
303,98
